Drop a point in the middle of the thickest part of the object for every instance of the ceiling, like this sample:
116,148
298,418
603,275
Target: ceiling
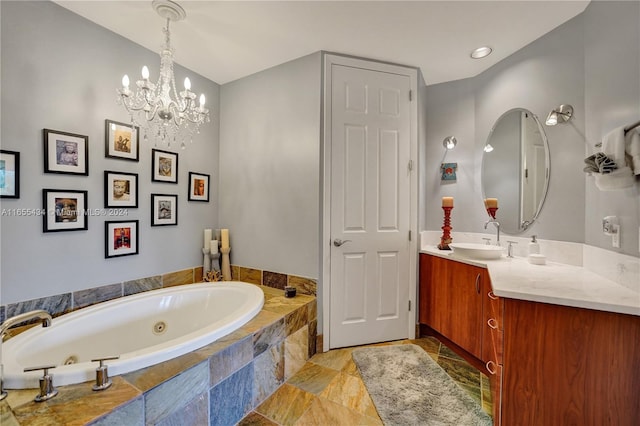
228,40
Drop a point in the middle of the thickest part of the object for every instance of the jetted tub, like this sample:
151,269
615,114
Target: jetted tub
142,329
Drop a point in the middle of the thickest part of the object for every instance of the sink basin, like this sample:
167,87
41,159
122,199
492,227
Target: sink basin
477,251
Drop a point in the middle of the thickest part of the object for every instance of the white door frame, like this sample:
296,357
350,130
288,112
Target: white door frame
325,247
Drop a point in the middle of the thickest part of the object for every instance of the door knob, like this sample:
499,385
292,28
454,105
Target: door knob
338,242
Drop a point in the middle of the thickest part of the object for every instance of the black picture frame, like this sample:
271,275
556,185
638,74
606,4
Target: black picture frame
199,187
65,152
164,209
9,174
164,166
121,141
121,238
120,189
64,210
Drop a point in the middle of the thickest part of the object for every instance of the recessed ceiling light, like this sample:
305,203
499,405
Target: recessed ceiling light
481,52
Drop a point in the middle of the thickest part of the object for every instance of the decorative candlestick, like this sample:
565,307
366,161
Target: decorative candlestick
446,239
492,211
215,255
492,206
226,265
206,261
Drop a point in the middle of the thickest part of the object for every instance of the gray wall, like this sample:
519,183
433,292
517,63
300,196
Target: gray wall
612,99
591,62
270,167
60,71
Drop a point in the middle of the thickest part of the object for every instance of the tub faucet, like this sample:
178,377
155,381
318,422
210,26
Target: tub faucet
43,316
497,225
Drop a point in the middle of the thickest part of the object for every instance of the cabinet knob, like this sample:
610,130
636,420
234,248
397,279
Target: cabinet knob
492,296
489,367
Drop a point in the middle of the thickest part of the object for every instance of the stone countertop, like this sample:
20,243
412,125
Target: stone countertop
554,283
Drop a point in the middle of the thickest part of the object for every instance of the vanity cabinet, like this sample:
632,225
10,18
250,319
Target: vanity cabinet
547,364
451,301
570,366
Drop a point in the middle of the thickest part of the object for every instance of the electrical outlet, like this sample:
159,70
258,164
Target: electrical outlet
615,236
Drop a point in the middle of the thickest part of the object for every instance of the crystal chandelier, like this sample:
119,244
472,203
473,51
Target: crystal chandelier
158,108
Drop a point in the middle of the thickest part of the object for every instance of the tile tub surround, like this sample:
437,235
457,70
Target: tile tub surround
250,364
61,304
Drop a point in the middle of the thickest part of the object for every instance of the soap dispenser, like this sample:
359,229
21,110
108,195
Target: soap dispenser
534,247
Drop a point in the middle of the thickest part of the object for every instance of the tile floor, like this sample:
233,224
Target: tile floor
328,390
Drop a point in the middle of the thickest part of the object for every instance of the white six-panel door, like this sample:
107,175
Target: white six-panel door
370,202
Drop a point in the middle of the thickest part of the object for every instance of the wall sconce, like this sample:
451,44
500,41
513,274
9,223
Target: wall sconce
449,142
561,114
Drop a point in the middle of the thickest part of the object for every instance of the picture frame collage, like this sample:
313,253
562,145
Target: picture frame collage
68,209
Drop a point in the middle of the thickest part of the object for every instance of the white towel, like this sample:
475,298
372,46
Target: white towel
632,148
614,146
617,179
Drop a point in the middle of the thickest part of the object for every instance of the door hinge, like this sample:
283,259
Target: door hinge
409,305
410,165
409,234
410,95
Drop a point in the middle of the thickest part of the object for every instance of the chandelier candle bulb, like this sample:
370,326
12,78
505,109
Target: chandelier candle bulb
145,72
447,201
187,83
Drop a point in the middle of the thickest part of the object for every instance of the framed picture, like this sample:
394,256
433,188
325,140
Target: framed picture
66,153
121,141
120,238
198,187
65,210
164,209
164,166
120,189
9,174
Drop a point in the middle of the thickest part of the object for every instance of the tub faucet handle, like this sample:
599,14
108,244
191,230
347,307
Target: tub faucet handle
510,248
47,391
102,374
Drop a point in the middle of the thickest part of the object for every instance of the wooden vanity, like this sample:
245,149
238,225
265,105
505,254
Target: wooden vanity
548,364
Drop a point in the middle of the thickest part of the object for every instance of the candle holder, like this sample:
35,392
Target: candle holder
492,211
206,261
215,261
446,239
226,265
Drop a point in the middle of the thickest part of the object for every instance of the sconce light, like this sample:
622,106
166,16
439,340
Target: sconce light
488,148
561,114
449,142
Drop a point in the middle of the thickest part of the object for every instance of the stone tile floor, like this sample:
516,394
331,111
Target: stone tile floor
328,390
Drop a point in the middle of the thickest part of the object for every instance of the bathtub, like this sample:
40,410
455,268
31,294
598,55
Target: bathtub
142,329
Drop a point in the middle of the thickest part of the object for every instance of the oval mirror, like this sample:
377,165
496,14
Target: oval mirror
516,170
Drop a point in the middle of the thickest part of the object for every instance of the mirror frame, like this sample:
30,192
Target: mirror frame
523,224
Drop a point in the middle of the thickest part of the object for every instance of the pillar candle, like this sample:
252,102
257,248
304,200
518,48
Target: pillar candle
207,238
214,246
491,203
447,201
224,234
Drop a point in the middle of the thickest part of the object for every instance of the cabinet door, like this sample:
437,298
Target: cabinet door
451,302
463,308
435,278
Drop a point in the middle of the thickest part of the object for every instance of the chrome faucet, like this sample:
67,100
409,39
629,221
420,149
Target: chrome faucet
497,225
43,316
